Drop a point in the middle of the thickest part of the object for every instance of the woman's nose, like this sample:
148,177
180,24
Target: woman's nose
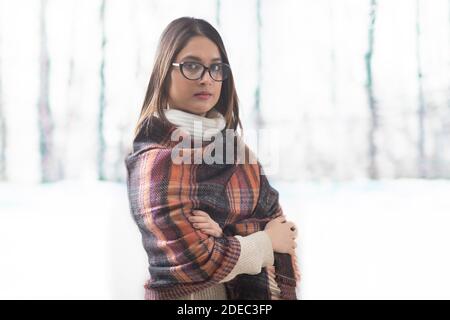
206,78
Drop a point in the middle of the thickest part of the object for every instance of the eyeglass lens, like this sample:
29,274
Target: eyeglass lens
193,71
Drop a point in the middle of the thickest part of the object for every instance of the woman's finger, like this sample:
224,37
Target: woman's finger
212,232
202,225
200,213
198,219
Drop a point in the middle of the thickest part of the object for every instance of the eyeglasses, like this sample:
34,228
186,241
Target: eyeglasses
195,70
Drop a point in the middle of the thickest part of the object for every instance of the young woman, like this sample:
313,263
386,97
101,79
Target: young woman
212,230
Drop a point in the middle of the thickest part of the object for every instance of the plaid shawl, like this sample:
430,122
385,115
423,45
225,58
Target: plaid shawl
183,260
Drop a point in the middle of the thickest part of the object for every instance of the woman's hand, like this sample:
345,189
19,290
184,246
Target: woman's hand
282,234
201,220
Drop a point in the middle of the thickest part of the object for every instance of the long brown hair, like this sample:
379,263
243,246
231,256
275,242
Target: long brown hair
174,37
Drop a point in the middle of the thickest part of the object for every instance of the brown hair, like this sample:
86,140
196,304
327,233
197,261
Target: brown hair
174,37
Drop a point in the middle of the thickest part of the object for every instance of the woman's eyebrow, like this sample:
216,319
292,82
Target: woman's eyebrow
191,57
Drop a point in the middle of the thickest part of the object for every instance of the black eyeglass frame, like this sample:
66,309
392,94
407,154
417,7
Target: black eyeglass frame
180,65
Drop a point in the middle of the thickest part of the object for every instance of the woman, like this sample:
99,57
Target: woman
212,230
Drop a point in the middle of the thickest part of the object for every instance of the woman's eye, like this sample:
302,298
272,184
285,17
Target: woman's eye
216,67
191,66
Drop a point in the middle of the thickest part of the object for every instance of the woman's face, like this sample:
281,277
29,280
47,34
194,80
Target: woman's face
182,91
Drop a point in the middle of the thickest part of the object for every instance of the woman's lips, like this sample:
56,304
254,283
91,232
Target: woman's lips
202,96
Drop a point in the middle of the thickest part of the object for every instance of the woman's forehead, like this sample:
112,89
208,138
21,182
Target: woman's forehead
192,57
200,49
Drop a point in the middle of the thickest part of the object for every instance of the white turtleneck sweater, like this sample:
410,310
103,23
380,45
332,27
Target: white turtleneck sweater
199,127
256,249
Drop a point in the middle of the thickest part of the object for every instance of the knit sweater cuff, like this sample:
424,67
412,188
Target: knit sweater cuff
256,253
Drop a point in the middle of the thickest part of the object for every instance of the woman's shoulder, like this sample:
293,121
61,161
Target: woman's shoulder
153,135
